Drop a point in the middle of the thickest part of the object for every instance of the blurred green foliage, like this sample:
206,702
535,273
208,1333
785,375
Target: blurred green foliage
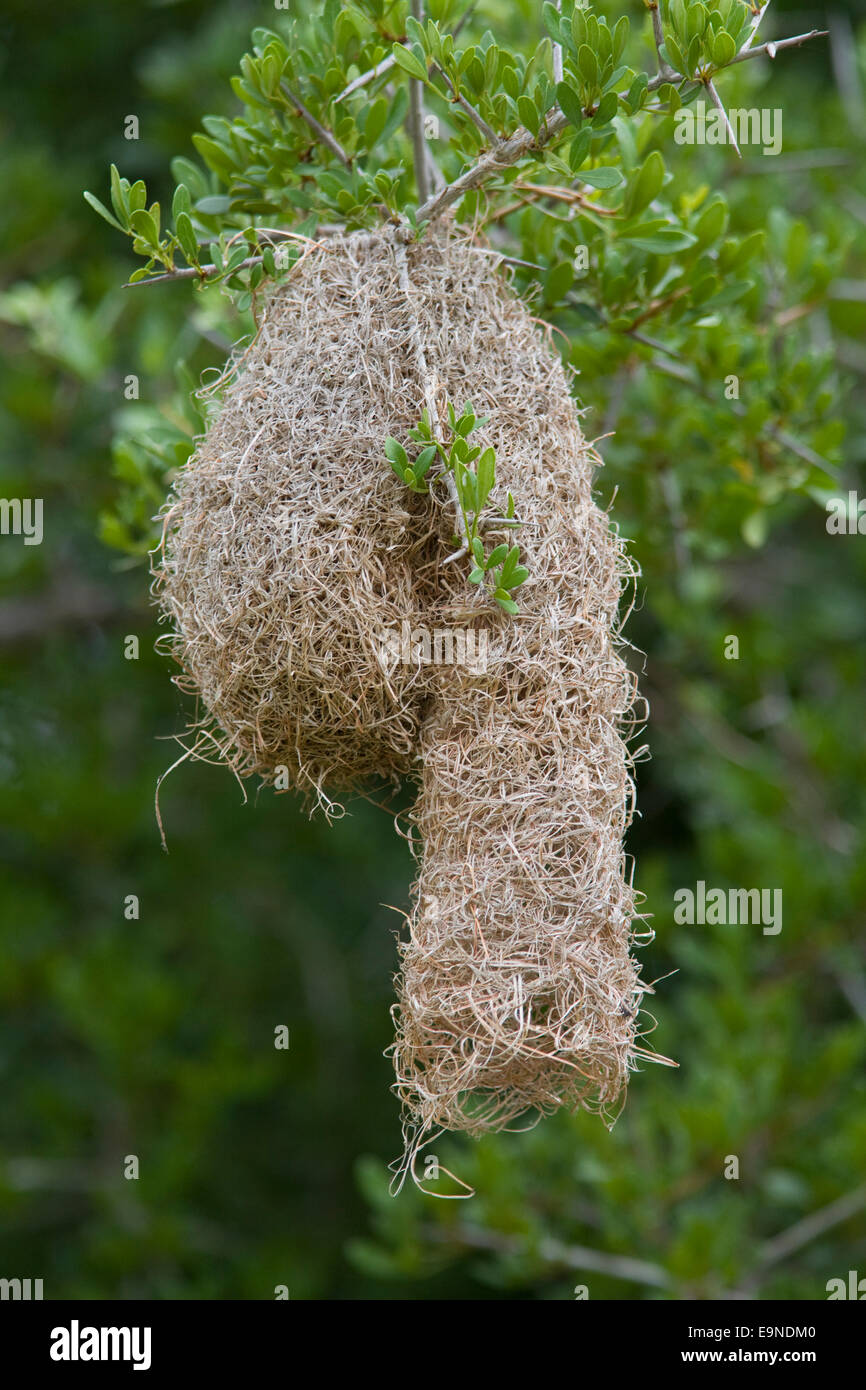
154,1036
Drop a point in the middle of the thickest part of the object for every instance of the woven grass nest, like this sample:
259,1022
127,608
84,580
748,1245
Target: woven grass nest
290,548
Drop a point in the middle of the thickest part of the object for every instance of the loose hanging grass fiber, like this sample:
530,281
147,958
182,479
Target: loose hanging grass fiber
290,549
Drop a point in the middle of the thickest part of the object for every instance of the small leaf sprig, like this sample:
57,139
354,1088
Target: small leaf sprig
469,472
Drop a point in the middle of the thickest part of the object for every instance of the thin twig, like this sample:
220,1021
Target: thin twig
769,50
665,71
316,127
192,272
509,260
756,23
812,1226
416,122
370,76
386,64
555,1252
679,521
562,194
506,153
800,1234
557,52
457,98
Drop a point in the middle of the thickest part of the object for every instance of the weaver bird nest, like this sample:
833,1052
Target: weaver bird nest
292,555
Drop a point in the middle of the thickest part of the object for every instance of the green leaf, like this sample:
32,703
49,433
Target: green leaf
377,115
663,242
605,177
675,56
637,91
570,103
238,254
588,65
620,38
143,225
645,185
558,281
712,223
476,575
579,149
678,15
511,83
734,255
395,452
552,21
578,27
697,20
137,195
528,113
722,49
186,236
754,529
468,490
181,202
406,59
214,206
606,110
103,211
506,602
119,192
510,564
424,460
478,551
486,475
416,32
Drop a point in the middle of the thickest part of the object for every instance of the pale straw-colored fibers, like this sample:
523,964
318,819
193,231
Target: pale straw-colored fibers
290,548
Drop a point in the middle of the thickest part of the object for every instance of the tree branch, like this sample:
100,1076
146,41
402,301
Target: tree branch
756,22
459,99
555,1252
321,134
191,272
665,71
207,272
812,1226
769,50
802,1233
523,142
369,76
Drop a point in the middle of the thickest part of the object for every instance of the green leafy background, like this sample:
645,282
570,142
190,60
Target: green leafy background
154,1036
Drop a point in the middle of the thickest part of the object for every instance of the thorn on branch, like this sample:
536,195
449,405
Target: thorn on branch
719,105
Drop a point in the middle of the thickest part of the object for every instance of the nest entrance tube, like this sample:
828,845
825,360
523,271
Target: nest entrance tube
291,550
